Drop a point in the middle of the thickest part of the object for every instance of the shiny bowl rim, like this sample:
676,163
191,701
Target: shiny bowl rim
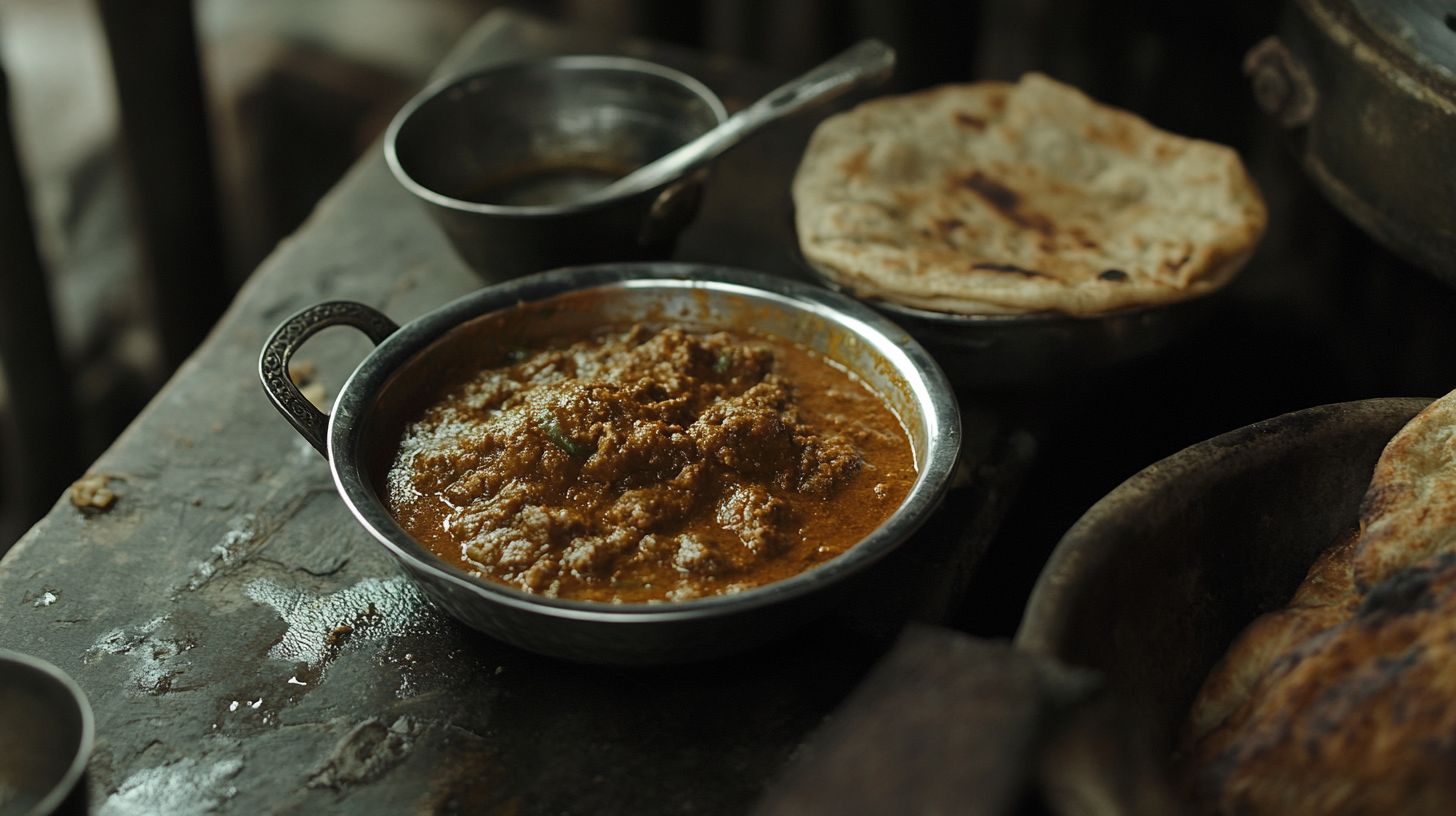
86,741
931,392
569,62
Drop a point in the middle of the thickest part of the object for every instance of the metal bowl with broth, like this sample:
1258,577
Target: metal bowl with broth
500,158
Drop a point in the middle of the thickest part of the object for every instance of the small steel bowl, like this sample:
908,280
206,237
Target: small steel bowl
45,738
369,413
1154,582
498,156
1014,351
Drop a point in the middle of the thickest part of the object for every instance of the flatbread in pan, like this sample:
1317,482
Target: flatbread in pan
1341,702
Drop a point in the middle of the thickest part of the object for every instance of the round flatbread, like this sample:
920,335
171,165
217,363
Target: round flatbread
994,198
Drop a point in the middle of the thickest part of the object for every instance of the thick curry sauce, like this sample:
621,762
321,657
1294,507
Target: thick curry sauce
642,464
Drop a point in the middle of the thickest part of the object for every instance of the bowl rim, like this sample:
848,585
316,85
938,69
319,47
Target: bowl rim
566,62
72,775
927,384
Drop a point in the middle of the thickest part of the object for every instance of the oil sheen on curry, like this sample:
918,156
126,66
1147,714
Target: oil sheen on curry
645,464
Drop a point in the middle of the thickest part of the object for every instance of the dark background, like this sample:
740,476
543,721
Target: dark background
293,93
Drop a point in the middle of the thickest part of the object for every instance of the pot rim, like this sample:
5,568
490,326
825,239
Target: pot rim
1092,540
929,388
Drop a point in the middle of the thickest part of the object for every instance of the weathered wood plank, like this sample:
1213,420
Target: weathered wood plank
944,724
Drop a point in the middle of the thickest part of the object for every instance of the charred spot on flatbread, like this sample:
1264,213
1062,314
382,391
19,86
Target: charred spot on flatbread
1013,268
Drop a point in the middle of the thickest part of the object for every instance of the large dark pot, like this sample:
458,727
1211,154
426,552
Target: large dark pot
1151,586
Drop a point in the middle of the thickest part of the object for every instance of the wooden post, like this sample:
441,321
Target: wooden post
43,454
169,159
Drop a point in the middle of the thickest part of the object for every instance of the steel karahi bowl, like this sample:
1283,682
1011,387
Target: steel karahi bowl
1151,586
360,435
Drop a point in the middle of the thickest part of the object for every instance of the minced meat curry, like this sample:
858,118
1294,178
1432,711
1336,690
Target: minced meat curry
647,464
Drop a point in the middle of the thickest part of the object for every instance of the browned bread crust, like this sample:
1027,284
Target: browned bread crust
1326,599
1356,719
1409,512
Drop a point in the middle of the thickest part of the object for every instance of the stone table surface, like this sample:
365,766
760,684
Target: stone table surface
202,613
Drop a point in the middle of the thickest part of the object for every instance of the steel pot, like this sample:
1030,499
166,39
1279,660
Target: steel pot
1367,92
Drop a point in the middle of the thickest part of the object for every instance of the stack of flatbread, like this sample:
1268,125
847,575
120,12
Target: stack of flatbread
994,198
1345,701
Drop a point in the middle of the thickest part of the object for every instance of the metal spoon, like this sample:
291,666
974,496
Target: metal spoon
867,63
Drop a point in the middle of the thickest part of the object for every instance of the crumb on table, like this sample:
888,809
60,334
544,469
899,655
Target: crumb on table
91,493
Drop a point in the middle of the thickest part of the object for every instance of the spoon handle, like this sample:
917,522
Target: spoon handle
866,63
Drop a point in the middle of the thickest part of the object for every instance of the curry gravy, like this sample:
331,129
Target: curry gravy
644,464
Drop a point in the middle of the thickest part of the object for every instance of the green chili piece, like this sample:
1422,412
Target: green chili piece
561,440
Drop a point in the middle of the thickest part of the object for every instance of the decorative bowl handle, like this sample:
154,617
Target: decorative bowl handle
309,421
